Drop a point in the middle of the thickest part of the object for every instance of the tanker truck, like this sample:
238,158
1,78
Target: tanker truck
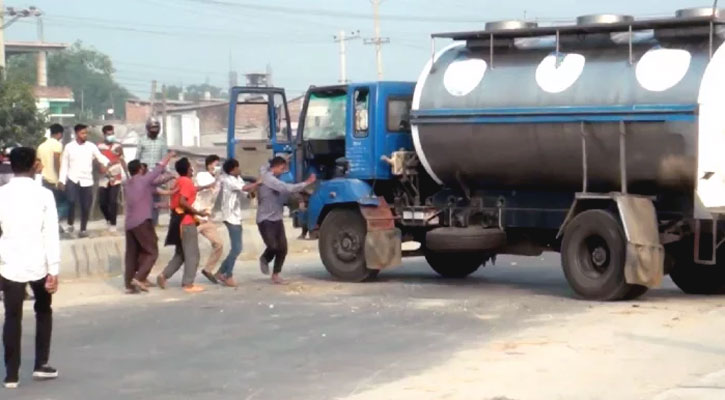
600,140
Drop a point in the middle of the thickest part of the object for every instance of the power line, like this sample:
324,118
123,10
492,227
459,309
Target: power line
330,13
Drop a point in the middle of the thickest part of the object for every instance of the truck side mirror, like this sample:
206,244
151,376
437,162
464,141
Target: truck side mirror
361,120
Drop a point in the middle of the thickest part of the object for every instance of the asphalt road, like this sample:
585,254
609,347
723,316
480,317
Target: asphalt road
314,338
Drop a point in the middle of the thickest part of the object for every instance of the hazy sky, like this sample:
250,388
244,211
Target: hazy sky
190,41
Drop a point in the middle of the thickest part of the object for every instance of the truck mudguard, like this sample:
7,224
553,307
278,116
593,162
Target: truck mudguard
338,191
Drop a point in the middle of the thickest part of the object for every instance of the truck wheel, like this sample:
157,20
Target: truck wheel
593,255
455,265
342,245
694,278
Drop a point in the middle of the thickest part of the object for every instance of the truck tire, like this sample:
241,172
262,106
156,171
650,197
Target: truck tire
593,254
342,245
455,265
471,239
694,278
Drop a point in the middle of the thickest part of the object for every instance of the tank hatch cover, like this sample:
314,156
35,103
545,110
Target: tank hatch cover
508,25
594,19
699,12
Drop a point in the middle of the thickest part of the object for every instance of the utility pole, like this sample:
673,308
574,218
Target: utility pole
153,99
342,38
163,108
14,14
2,40
377,40
42,64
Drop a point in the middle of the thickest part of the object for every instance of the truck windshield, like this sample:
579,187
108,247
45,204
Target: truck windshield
325,118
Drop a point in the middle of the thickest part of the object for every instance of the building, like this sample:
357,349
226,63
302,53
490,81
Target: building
206,124
54,101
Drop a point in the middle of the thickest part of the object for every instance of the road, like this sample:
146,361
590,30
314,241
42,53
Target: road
512,331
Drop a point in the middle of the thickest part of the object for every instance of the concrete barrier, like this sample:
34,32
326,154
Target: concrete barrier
103,256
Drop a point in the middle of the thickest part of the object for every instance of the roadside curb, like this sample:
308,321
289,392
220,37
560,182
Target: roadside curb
103,257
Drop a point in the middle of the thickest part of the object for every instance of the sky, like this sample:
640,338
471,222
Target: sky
195,41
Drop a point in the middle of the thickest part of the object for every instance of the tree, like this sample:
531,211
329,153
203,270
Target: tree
196,92
20,122
88,72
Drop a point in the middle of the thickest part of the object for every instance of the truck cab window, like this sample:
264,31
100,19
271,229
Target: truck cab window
399,114
281,124
362,114
325,118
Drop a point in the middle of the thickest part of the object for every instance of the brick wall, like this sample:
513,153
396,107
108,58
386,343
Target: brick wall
137,113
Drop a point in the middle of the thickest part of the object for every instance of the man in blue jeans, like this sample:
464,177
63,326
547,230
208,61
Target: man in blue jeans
233,189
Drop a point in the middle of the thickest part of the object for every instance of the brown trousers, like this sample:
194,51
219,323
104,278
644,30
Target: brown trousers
142,251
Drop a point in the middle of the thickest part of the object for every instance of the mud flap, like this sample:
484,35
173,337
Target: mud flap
383,247
645,254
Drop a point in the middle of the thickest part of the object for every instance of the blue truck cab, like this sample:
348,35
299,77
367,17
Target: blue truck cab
347,136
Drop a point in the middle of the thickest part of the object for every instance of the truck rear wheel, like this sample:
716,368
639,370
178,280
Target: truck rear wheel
694,278
455,265
593,255
342,245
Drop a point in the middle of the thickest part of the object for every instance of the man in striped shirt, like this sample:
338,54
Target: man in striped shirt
150,151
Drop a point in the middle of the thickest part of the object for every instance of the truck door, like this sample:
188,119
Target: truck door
394,105
259,129
361,123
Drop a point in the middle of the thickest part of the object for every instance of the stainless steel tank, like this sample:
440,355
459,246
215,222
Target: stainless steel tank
517,121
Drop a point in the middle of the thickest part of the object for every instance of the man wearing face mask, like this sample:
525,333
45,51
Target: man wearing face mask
151,150
207,187
110,183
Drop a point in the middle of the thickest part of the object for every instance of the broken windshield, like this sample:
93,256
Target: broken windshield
325,118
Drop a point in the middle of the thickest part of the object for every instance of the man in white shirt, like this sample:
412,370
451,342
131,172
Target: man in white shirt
233,189
76,174
207,192
29,254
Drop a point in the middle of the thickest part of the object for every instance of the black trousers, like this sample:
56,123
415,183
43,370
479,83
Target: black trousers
276,241
108,202
14,294
82,196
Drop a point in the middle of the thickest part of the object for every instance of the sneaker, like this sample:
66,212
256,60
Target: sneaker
149,284
161,281
83,235
193,289
45,372
70,229
264,265
10,383
112,229
208,275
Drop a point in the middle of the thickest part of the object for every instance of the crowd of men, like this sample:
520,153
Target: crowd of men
49,183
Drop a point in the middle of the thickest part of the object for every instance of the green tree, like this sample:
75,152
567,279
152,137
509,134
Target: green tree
196,92
20,122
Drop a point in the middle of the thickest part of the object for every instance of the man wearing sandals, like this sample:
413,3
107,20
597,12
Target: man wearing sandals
142,248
